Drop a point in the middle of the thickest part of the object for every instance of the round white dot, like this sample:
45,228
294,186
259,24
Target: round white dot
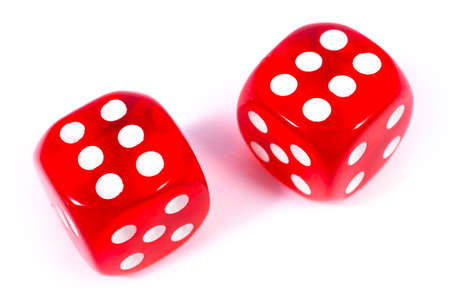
300,184
176,204
259,151
308,61
395,117
90,158
354,183
279,153
357,153
130,136
367,63
333,39
113,110
257,121
391,147
300,155
149,163
342,86
123,234
72,132
131,261
283,84
316,110
109,186
154,233
181,232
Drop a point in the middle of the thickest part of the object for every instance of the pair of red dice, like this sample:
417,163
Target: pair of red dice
322,112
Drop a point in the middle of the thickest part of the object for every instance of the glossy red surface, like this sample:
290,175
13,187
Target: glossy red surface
353,110
94,210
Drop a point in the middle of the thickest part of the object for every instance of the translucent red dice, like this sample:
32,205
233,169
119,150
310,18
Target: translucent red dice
325,110
124,181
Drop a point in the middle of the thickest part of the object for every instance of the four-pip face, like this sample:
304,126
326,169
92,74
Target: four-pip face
125,181
324,110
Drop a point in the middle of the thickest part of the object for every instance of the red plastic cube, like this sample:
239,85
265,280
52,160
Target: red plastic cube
124,181
324,110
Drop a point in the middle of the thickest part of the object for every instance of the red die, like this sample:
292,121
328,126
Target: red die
125,181
330,105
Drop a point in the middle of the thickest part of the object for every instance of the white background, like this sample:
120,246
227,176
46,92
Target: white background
260,240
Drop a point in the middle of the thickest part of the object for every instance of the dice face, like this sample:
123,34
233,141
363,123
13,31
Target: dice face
124,181
324,110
